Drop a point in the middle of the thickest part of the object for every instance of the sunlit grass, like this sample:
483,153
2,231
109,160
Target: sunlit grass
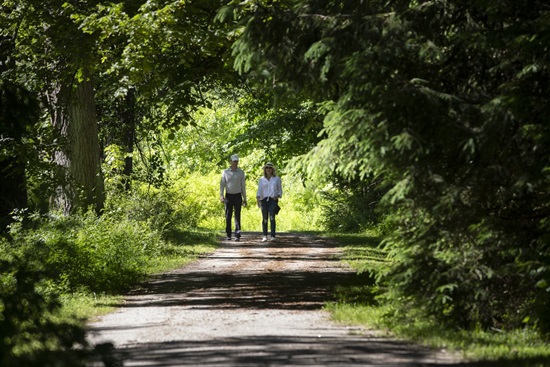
292,218
84,306
181,248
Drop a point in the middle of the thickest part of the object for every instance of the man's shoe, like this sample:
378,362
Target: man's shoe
228,238
264,239
237,239
272,238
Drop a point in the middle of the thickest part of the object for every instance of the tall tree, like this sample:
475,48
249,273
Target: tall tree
162,56
446,100
78,158
55,58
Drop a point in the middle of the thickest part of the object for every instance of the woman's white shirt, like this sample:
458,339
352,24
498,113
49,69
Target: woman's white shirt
269,187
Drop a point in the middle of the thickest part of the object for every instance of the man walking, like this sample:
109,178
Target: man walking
233,183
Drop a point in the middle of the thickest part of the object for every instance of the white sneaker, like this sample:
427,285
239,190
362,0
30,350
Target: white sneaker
264,239
272,238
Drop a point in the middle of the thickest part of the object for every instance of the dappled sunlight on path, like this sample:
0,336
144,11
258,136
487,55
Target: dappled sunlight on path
249,303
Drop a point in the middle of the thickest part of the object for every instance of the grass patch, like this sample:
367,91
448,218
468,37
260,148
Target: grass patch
62,272
358,304
181,248
85,306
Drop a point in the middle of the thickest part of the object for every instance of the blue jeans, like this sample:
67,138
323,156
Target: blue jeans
268,210
233,201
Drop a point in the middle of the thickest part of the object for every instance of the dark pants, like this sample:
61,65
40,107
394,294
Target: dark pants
233,201
268,210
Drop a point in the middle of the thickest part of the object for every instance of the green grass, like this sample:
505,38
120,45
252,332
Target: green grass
290,219
180,249
86,306
357,303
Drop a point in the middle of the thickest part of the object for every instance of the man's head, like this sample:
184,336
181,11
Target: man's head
234,160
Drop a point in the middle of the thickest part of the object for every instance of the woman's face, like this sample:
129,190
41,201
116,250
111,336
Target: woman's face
269,171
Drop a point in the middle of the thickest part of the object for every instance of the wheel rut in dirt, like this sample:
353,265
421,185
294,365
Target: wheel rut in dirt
249,303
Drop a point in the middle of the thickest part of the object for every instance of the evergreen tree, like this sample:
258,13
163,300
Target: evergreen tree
445,100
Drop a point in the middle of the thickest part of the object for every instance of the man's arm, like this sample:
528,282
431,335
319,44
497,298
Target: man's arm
222,187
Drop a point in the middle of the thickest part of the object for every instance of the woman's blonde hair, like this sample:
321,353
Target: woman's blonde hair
270,165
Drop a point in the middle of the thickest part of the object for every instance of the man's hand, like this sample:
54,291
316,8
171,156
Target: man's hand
222,199
244,203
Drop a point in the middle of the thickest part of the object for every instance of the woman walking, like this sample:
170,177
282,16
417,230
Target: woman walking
270,190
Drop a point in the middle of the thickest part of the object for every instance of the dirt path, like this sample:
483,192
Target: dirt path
249,304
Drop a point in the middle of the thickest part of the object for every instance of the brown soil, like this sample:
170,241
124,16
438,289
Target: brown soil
249,303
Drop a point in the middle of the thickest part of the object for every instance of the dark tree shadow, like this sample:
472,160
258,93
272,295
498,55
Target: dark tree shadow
304,289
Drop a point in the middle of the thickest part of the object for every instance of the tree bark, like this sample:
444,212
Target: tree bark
80,181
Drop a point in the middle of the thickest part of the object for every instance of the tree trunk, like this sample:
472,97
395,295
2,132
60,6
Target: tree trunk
80,182
129,119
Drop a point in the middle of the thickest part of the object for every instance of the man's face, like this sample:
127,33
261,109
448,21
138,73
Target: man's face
234,164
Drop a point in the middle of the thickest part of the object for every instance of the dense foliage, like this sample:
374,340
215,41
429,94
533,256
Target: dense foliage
445,100
440,107
18,119
352,206
54,255
280,127
29,333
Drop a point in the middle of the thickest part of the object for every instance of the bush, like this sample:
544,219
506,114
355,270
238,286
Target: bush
351,206
469,280
99,254
29,332
162,210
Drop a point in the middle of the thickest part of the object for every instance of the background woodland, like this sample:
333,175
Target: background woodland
424,122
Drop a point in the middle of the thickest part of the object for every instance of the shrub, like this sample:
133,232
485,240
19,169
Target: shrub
164,210
351,206
29,332
100,254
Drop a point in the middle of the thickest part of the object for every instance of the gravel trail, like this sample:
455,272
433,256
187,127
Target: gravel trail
249,303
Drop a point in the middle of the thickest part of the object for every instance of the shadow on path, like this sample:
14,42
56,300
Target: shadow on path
307,288
255,277
290,351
